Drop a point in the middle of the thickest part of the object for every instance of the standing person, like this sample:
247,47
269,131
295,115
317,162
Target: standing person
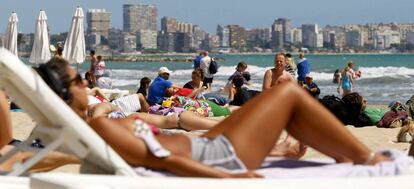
311,87
303,68
94,60
290,65
276,75
204,65
99,67
144,84
345,82
197,61
159,87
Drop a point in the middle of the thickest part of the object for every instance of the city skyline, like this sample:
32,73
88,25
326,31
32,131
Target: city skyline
215,12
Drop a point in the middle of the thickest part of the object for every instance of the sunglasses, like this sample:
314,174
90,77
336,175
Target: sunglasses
77,80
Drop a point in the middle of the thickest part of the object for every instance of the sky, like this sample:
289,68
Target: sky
207,14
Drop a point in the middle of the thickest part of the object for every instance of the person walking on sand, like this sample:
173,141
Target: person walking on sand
278,74
345,82
204,65
303,68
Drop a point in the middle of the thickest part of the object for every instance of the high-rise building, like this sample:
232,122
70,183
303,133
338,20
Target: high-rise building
139,17
354,38
277,36
223,33
385,38
185,27
310,35
146,39
115,38
99,22
237,37
410,37
286,29
169,24
128,42
296,36
166,41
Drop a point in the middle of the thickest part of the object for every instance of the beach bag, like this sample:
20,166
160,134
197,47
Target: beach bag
336,106
213,67
406,132
390,117
410,107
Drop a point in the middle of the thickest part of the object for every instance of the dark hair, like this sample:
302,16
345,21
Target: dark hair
99,57
143,85
90,78
353,101
288,55
92,52
242,64
238,81
246,76
56,76
59,50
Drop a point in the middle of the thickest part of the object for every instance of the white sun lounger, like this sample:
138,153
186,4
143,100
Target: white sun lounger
57,125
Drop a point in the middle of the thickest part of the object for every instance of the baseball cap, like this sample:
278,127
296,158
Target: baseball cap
164,70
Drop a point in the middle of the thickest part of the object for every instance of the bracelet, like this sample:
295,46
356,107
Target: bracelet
370,158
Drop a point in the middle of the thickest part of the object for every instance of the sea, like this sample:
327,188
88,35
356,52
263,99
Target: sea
385,77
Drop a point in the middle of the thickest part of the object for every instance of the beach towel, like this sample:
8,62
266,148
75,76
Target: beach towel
200,107
280,168
128,104
374,114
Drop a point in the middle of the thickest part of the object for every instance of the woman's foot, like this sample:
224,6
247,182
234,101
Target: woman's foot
289,150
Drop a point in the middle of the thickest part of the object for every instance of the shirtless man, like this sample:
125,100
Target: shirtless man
94,61
276,75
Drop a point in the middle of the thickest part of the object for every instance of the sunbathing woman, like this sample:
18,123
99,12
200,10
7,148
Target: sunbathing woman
237,144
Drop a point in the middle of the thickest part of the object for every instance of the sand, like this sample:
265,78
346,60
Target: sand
373,137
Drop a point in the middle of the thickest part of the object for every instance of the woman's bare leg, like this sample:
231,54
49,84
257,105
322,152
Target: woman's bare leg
255,128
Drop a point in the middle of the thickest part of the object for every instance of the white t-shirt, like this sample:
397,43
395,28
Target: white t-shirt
204,65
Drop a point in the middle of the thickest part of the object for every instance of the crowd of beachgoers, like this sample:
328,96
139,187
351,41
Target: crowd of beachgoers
238,130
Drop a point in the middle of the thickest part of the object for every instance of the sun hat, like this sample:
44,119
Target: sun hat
308,76
164,70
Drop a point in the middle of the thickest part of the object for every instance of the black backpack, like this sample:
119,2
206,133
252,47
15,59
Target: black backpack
213,68
336,106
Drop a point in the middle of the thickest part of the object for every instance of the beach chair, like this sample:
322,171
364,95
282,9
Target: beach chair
58,126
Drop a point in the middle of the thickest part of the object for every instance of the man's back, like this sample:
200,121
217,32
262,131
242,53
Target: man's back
303,69
157,90
197,62
204,65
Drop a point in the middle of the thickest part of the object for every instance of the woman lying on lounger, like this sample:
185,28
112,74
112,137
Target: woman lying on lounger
237,144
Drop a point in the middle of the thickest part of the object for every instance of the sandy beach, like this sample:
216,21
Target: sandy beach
373,137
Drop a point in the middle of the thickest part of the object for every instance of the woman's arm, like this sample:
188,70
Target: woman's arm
5,123
184,166
267,80
118,134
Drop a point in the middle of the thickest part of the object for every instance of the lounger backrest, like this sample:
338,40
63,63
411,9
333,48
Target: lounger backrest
32,94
